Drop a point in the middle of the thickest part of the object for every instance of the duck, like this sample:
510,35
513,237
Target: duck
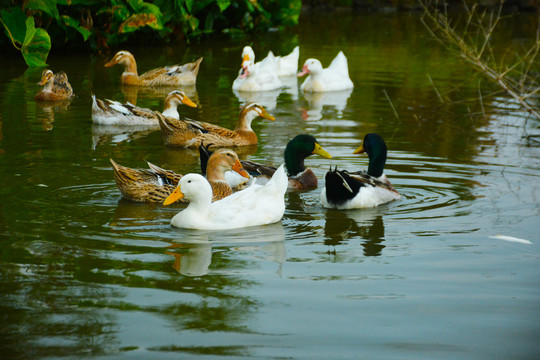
296,151
333,78
252,78
172,75
156,184
281,65
191,133
109,112
254,206
57,87
353,190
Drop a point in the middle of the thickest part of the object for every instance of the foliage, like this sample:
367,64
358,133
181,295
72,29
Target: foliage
30,24
471,40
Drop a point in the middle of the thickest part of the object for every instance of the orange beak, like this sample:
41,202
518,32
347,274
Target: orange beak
188,102
240,169
175,196
112,62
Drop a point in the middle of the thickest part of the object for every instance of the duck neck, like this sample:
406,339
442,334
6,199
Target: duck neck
244,121
214,172
130,75
171,110
377,160
49,86
294,162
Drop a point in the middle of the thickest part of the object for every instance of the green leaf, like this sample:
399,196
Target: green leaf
36,45
74,23
47,6
189,5
223,4
136,5
14,22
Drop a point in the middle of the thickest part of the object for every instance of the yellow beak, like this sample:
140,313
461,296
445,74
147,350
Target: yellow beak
44,80
239,169
175,195
111,62
320,151
266,115
360,150
188,102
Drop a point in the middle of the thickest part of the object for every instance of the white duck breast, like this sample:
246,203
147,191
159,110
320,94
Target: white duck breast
334,78
252,78
256,205
355,191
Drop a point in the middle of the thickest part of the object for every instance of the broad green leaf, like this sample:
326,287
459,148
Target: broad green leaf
47,6
15,23
74,23
189,5
136,5
138,21
36,45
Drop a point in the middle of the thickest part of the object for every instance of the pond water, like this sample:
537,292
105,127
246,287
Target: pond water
85,273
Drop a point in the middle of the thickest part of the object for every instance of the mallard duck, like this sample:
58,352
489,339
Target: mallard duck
300,177
333,78
156,184
351,190
280,65
57,87
173,75
252,78
256,205
191,133
109,112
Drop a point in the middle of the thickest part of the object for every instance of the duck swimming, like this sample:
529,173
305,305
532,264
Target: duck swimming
352,190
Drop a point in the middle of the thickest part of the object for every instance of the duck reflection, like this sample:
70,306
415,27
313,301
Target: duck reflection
49,108
193,251
191,259
268,99
340,228
316,101
105,134
132,93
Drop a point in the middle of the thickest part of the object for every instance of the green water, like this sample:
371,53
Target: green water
87,274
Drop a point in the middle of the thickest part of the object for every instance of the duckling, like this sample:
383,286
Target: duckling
156,184
191,133
173,75
57,87
352,190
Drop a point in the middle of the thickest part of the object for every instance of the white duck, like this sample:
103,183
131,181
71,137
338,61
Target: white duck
286,65
110,112
333,78
254,78
256,205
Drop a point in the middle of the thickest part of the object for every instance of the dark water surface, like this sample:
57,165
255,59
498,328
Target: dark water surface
85,273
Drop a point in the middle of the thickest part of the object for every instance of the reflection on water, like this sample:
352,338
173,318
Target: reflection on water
106,134
132,93
49,108
366,226
316,101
